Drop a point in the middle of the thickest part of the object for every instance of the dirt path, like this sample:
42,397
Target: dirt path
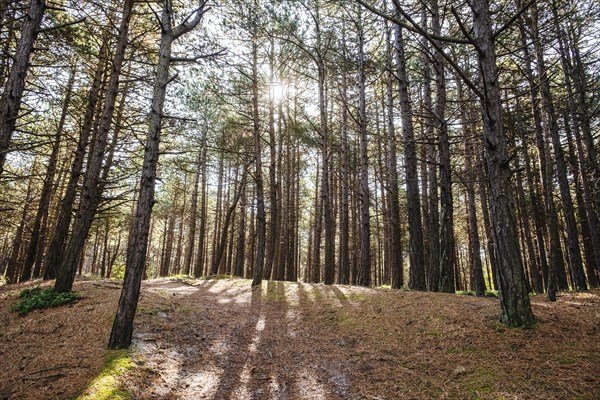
218,339
221,340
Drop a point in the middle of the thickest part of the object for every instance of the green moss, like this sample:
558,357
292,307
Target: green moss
38,297
107,385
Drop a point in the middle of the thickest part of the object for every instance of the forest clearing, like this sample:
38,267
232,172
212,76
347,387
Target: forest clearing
221,339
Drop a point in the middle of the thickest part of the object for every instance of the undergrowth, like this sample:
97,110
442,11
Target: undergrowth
38,297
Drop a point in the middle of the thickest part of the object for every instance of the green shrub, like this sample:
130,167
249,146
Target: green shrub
38,297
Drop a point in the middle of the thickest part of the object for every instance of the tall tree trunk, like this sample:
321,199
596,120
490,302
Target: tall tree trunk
395,233
56,247
199,263
38,231
225,228
122,329
12,95
93,187
417,279
588,213
364,267
240,255
551,127
273,184
261,224
13,268
514,299
551,219
470,176
446,261
191,236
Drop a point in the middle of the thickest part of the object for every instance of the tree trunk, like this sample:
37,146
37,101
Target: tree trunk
122,329
446,261
200,256
10,101
13,268
225,228
514,299
394,229
93,187
39,230
191,236
261,224
551,128
364,267
417,279
470,177
56,247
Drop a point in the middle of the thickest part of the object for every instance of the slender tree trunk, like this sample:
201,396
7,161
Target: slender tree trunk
432,262
261,224
13,269
514,299
364,267
199,263
446,261
93,187
10,101
551,126
578,118
122,329
191,236
395,233
38,231
273,184
470,176
56,247
224,230
417,280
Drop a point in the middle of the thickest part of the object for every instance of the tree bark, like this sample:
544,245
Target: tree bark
514,299
56,247
364,266
395,233
122,329
12,95
551,130
261,224
93,186
446,261
38,232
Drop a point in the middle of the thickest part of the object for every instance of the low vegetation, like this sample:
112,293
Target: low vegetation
38,297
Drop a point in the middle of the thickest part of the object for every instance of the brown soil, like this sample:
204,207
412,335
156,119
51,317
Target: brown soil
218,339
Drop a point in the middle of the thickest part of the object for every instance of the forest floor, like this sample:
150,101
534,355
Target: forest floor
219,339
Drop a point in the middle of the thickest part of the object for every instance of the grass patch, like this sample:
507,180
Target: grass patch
38,297
107,385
